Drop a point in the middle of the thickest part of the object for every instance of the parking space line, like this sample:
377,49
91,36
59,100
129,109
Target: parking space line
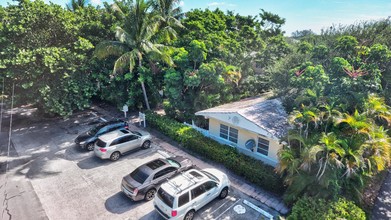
227,209
258,209
218,208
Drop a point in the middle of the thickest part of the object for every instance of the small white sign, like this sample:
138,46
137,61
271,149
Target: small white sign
125,108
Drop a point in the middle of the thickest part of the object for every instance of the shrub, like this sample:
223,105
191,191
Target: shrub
251,169
311,208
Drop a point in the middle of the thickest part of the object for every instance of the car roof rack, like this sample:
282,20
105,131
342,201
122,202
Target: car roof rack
178,187
174,185
190,178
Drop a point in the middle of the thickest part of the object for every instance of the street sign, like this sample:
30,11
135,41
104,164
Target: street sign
125,109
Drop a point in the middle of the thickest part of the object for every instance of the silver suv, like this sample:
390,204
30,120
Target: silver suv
116,143
181,196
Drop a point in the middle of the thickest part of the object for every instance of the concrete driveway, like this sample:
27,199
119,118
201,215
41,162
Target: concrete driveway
50,178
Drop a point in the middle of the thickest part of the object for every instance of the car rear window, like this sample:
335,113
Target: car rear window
100,143
165,197
139,175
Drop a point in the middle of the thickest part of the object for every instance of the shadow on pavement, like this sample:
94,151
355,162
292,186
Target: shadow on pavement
152,215
92,162
119,203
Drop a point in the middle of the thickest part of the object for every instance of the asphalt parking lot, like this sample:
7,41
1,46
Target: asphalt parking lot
54,179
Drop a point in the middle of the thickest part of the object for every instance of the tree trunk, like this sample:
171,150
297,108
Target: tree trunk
145,96
143,87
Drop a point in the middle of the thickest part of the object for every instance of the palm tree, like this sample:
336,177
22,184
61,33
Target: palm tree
76,4
134,40
169,14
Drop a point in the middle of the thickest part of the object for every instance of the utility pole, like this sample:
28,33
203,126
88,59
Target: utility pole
2,105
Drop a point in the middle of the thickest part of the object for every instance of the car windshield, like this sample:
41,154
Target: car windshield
138,133
211,176
165,197
174,163
139,175
95,129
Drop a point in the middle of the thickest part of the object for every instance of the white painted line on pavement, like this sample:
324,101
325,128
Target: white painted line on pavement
104,120
163,153
227,209
94,114
218,208
256,208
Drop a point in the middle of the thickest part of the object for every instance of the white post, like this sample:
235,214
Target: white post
125,109
141,116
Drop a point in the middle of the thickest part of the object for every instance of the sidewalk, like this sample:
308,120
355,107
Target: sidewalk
172,147
382,207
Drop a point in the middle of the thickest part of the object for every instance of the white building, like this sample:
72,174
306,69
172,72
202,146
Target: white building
253,125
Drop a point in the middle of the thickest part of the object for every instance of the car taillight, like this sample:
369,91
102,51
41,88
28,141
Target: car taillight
126,127
135,191
102,150
174,213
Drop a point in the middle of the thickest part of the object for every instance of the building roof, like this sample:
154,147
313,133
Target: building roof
268,114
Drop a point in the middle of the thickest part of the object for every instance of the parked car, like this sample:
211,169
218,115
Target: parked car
181,196
87,139
116,143
143,182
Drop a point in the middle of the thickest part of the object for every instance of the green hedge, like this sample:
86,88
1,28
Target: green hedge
251,169
313,209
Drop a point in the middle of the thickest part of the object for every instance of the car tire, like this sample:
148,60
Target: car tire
90,146
146,144
189,215
115,156
223,193
150,194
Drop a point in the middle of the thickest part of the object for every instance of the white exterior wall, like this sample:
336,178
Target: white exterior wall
243,136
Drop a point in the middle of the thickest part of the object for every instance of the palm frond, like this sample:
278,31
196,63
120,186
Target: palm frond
110,48
121,63
124,37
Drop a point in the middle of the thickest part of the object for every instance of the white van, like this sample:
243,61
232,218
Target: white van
183,195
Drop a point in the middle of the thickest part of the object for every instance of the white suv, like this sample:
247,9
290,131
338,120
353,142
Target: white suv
181,196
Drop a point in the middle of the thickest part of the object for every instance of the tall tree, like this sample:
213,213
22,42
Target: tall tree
170,13
135,41
73,5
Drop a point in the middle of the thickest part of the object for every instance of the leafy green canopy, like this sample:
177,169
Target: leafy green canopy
42,53
216,60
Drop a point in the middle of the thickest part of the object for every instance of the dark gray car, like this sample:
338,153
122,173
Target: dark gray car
143,182
86,140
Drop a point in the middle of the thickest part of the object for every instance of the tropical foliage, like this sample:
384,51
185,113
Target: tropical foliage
308,208
147,53
334,87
